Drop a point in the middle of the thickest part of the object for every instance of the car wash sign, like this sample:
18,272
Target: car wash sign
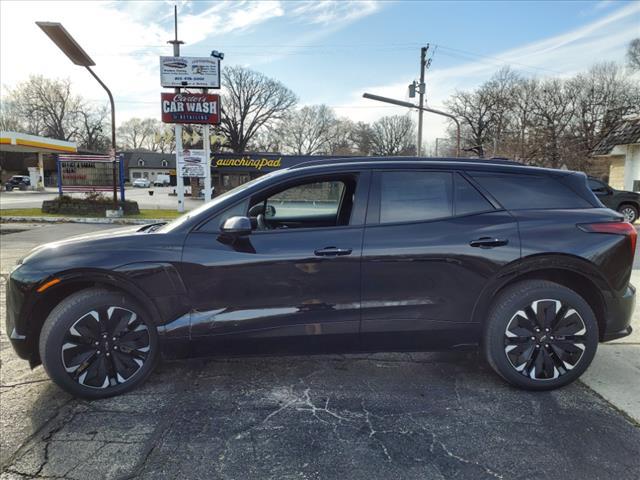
195,72
191,108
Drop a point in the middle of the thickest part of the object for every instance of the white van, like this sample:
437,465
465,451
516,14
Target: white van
162,180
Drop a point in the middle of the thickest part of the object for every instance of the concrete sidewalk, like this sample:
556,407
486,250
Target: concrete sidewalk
615,372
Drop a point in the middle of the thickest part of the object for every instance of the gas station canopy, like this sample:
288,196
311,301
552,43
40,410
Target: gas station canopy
23,143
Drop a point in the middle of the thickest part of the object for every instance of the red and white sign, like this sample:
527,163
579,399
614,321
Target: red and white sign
190,108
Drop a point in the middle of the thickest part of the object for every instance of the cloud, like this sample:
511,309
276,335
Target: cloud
334,11
562,55
226,16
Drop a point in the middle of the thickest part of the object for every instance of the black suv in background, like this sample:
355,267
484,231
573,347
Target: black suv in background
627,203
21,182
350,255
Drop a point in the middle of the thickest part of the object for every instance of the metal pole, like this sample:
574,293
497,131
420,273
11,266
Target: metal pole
421,88
113,136
436,146
178,128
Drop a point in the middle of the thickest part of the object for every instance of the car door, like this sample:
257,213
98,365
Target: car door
431,242
292,285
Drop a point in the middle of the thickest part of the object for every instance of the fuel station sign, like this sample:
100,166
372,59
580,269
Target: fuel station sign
203,108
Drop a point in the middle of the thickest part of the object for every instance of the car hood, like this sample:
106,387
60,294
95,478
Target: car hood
86,240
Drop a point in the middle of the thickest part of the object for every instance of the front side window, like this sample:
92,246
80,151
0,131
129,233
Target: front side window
412,196
312,204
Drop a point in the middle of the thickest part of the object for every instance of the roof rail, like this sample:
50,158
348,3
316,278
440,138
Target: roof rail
329,161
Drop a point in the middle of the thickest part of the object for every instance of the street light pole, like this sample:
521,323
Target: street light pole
113,133
402,103
72,49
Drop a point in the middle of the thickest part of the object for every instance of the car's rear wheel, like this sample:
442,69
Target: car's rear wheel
630,212
540,335
97,343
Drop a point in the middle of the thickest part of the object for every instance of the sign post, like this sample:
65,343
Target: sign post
184,107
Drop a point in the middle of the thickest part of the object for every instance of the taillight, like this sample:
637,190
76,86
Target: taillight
615,228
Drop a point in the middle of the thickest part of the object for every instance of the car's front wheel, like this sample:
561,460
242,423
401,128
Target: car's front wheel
97,343
630,212
540,335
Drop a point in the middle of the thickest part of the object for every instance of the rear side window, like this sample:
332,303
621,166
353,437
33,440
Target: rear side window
468,199
415,196
518,192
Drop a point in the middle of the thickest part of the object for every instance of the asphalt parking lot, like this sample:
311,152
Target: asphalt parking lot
426,415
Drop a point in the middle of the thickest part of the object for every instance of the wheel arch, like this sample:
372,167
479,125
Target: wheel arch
72,282
572,272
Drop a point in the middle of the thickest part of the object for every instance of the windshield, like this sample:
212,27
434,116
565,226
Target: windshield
215,202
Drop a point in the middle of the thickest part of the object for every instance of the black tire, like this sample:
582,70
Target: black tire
560,354
9,188
629,211
114,352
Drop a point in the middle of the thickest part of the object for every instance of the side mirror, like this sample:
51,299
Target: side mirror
236,226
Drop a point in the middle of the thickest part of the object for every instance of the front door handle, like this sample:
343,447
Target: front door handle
488,242
332,252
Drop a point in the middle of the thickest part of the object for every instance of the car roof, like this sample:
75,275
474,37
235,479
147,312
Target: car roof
492,164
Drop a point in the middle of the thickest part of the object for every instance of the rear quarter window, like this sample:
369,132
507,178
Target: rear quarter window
522,191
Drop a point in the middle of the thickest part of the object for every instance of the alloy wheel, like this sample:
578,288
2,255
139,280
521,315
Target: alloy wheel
545,340
105,347
629,214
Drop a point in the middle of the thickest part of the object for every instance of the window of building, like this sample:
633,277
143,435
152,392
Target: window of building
165,163
415,196
140,162
136,175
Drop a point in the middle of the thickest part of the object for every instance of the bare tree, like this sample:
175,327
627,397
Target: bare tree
10,118
633,54
341,142
362,138
47,107
136,133
393,135
94,129
475,112
308,130
251,102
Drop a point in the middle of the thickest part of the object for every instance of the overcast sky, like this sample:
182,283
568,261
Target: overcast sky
326,52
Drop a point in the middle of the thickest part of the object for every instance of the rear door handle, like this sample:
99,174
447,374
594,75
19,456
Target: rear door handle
333,252
488,242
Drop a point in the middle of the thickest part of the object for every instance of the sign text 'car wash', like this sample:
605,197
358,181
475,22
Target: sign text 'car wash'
190,108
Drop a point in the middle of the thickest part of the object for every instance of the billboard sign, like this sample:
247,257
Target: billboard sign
197,72
192,163
190,108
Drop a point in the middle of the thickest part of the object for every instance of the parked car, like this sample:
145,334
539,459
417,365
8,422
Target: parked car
21,182
141,183
162,181
340,256
627,203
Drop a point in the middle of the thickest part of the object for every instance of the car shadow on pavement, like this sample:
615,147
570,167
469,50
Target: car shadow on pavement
421,415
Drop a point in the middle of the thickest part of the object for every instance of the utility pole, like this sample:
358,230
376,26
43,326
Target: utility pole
178,127
421,90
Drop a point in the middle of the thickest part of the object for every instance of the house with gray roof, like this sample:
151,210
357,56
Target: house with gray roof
621,147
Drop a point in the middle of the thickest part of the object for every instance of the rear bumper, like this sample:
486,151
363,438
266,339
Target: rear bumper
620,314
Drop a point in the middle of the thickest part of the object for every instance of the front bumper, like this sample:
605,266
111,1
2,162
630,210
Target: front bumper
620,313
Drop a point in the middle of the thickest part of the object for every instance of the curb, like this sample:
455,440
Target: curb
116,221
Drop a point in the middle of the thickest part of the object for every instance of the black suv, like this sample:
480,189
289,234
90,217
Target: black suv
350,255
21,182
627,203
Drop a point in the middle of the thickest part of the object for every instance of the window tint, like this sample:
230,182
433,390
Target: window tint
416,195
318,199
468,199
529,191
597,186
